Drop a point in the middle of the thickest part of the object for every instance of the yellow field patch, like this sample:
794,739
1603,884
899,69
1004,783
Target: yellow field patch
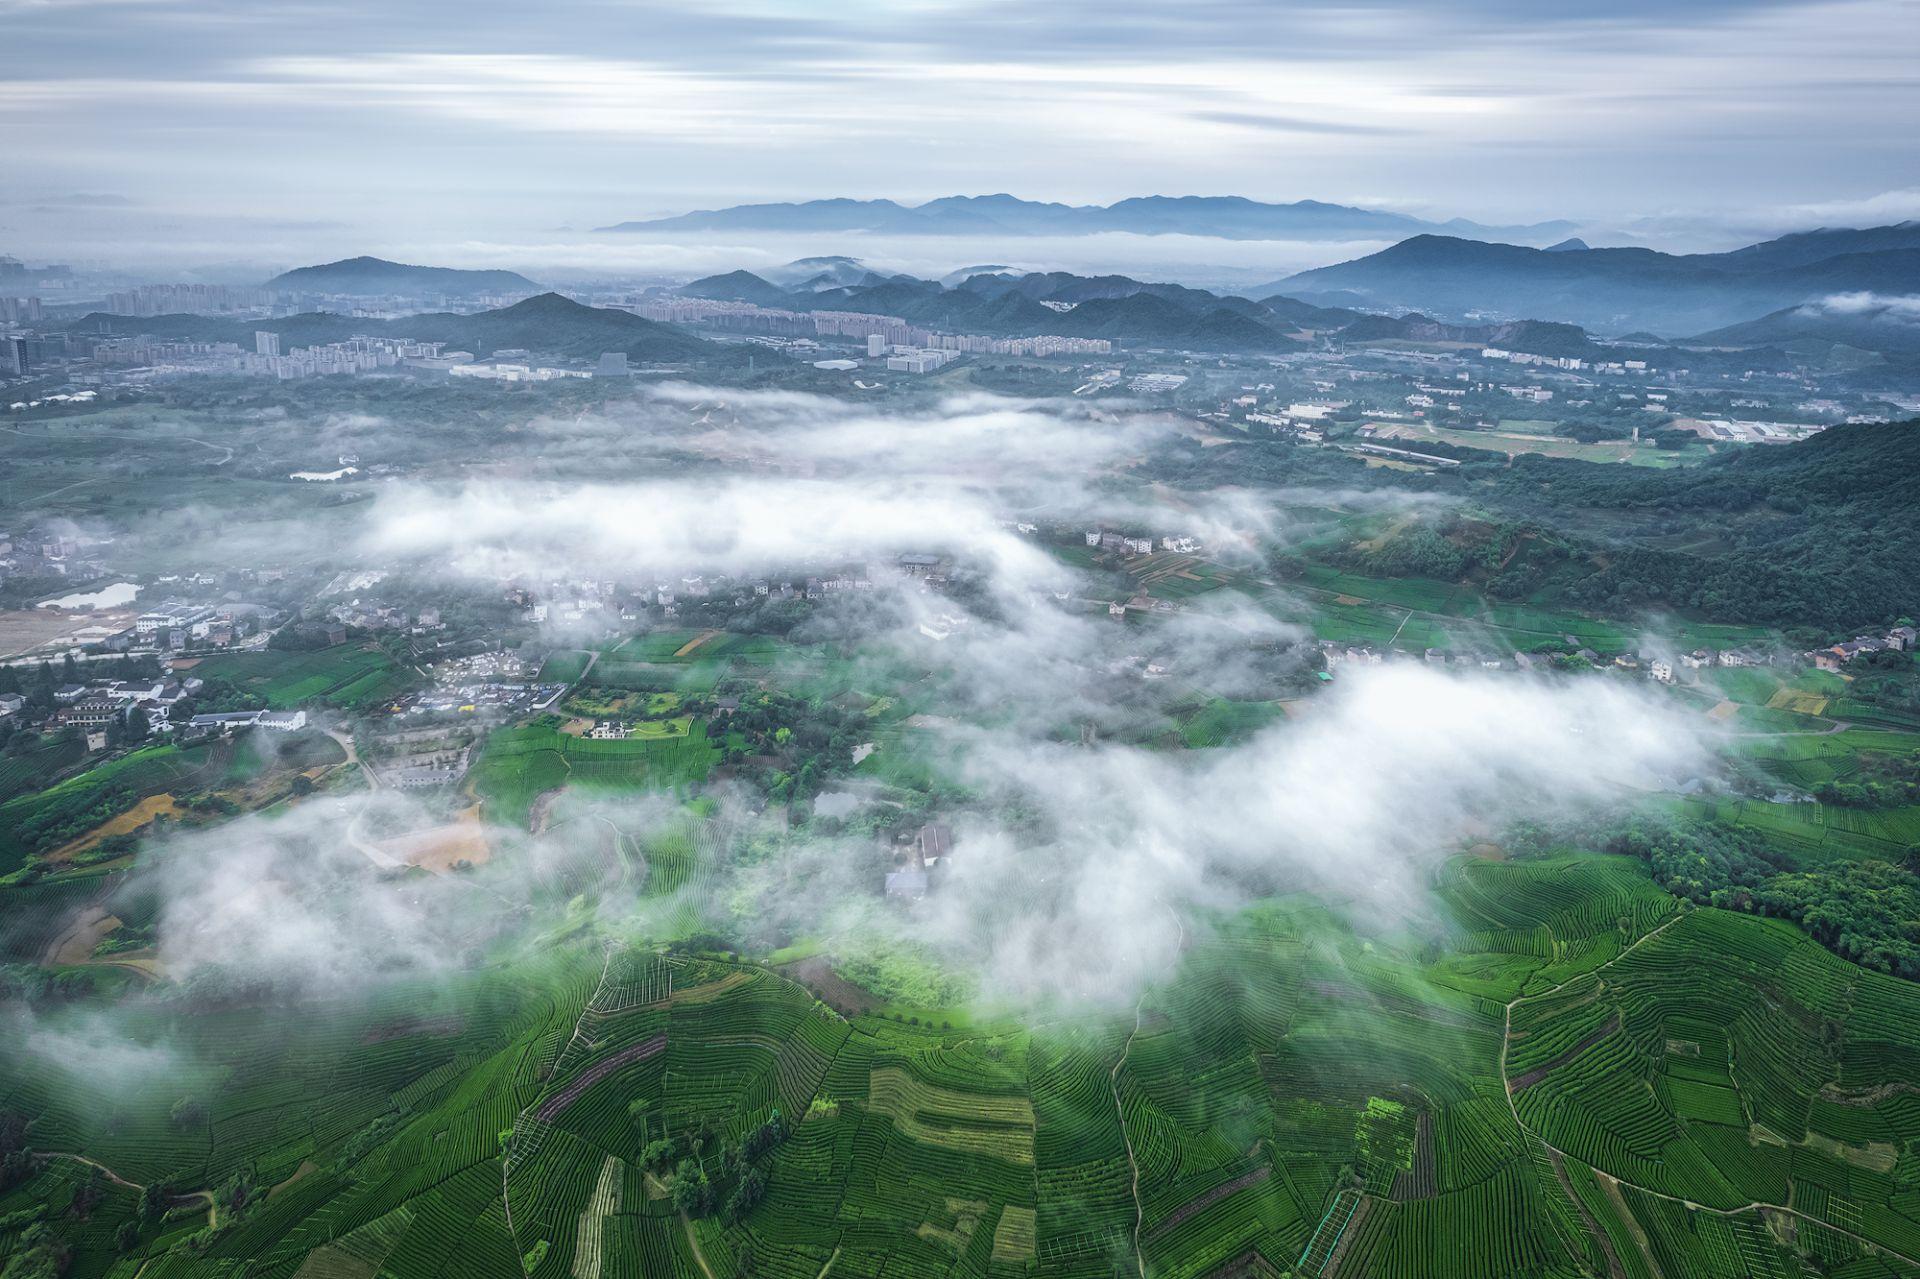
1000,1127
696,642
1799,701
1724,711
125,824
966,1214
1013,1237
1875,1156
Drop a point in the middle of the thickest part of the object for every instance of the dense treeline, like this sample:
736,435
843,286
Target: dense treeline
1822,534
1865,911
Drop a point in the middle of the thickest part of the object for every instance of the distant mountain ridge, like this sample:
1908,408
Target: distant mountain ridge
1614,290
376,276
1225,217
1139,313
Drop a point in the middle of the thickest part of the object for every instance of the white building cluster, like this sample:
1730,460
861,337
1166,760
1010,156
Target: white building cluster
354,356
1567,362
186,299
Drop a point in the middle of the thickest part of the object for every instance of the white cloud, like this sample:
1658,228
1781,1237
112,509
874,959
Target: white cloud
1891,308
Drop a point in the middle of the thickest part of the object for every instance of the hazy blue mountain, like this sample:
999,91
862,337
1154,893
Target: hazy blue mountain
1227,217
1618,289
547,325
965,273
377,276
817,273
738,286
556,325
1294,313
1890,326
1803,248
1137,312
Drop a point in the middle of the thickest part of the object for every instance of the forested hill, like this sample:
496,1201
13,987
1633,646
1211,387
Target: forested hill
374,276
1871,464
1823,533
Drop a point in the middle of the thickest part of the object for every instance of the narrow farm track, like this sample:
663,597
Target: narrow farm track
1506,1086
693,1242
109,1173
1120,1111
213,1208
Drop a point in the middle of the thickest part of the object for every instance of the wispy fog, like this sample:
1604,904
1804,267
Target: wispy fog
1084,851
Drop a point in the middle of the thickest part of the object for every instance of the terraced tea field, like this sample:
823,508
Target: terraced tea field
1562,1072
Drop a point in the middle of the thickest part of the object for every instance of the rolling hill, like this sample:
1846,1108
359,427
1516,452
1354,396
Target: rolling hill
1867,322
378,277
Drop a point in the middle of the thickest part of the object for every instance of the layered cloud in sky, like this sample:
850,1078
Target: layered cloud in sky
346,119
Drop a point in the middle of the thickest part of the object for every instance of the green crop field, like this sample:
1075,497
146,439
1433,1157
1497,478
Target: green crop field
1575,1074
347,675
35,822
518,765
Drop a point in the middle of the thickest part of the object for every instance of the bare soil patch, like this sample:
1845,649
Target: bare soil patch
75,945
830,988
408,1027
441,848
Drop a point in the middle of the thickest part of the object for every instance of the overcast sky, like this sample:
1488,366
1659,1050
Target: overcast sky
326,121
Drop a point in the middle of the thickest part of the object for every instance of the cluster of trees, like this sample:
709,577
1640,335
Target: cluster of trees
1887,678
711,1174
820,736
1866,911
303,637
1882,782
16,1162
39,1253
1447,549
35,986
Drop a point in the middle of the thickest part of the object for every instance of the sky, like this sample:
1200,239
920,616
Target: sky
220,127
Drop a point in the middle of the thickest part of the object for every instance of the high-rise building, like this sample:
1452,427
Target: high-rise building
266,343
876,345
13,356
